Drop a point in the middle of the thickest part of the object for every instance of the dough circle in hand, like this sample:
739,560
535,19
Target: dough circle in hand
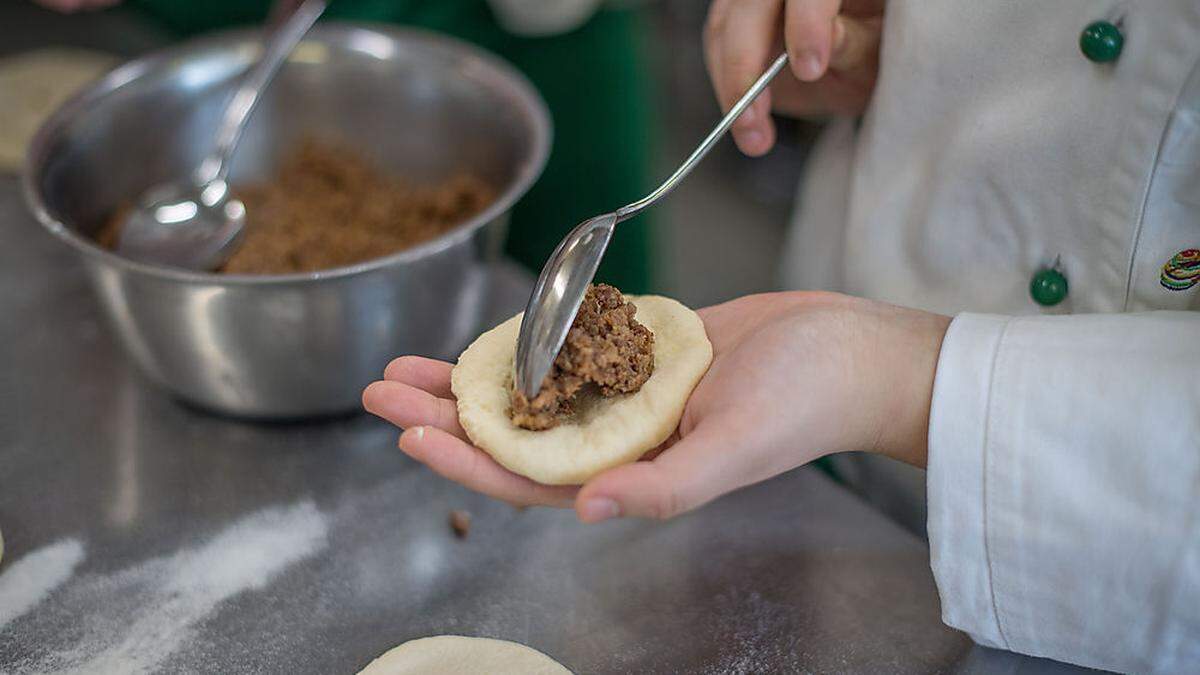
459,655
32,86
603,432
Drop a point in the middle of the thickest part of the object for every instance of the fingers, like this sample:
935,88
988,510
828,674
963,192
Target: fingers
407,406
429,374
741,38
691,473
413,396
738,41
463,463
855,43
808,33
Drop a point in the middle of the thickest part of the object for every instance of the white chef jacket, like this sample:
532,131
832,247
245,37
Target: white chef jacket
1064,442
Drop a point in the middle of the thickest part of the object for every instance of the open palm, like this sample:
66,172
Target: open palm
794,376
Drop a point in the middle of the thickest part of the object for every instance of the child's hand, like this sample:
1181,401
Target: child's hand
794,376
833,49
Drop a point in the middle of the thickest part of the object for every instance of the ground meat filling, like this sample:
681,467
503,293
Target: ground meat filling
606,348
328,206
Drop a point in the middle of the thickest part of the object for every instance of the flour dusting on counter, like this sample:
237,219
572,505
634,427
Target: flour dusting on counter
245,556
29,580
155,608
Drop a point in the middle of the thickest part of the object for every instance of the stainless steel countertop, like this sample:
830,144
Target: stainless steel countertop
206,544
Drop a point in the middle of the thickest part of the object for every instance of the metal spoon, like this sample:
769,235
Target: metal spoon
196,223
564,280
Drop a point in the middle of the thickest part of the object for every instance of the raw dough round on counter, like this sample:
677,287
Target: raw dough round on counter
459,655
603,432
33,85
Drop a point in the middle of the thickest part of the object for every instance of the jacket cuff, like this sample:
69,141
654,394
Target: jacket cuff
957,468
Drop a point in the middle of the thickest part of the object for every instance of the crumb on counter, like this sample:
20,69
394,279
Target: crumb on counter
460,523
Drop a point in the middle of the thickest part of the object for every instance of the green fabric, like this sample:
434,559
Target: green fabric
825,465
594,82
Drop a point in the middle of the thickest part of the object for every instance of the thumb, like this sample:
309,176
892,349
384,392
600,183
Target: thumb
855,42
689,474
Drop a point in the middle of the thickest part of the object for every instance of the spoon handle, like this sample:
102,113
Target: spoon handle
275,51
631,210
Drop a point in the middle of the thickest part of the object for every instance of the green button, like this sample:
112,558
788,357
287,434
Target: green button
1048,288
1101,42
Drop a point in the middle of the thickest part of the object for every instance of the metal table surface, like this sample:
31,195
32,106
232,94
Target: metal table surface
142,535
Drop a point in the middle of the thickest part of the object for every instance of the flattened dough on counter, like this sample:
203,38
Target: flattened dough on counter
603,432
32,85
459,655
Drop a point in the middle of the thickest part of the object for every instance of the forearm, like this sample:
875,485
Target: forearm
906,354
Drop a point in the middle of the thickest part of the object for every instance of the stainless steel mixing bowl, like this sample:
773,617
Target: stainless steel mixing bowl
421,105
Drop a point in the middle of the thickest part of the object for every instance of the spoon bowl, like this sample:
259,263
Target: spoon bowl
183,225
559,292
197,224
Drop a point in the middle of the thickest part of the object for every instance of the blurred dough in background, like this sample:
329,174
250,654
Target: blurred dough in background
32,85
543,17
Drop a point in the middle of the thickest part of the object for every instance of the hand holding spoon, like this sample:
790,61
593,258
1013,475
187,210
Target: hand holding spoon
564,280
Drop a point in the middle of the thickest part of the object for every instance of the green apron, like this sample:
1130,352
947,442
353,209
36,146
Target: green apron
593,79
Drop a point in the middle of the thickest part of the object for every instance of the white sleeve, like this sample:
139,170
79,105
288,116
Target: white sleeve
534,18
1064,486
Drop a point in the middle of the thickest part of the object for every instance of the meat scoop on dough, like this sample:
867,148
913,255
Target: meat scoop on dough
606,348
596,431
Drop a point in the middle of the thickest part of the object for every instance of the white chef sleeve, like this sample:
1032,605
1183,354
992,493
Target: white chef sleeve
1064,486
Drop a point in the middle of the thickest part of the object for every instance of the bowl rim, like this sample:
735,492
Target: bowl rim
530,169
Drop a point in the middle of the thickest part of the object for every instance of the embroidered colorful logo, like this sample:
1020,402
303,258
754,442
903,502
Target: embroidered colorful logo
1182,271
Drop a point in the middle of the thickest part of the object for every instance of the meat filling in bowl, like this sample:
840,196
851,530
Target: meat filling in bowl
327,206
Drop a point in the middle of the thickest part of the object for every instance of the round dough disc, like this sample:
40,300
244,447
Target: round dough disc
603,432
33,85
459,655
